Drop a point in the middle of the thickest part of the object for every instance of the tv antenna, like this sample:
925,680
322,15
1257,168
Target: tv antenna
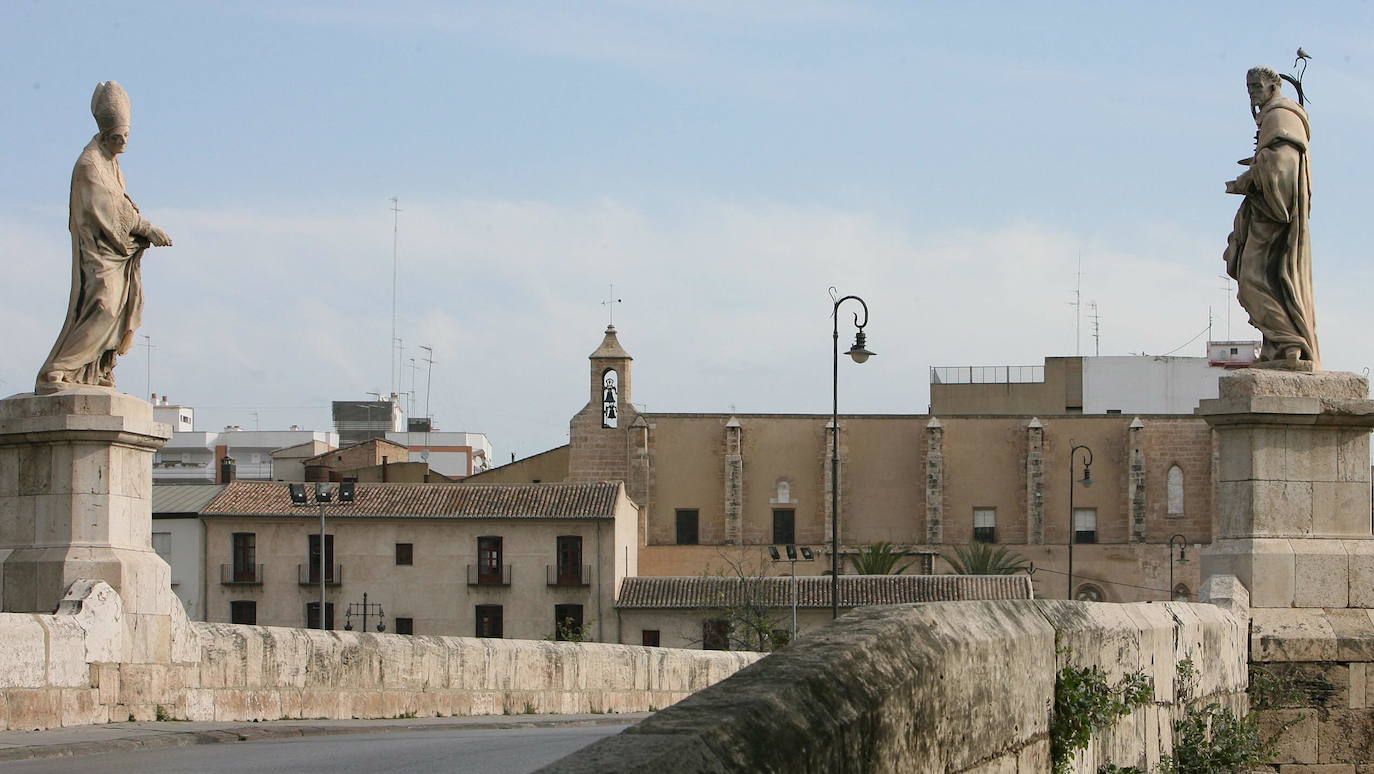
395,273
1097,327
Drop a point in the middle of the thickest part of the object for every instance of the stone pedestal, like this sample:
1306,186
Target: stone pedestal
1293,520
75,500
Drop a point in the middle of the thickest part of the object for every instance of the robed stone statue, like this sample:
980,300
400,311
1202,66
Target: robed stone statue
1269,252
109,237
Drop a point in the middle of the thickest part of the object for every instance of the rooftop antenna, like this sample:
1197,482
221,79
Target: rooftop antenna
1077,304
1227,277
148,384
610,303
429,381
1097,328
395,264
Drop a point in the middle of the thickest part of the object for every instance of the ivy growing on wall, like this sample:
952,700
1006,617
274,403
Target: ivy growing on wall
1085,704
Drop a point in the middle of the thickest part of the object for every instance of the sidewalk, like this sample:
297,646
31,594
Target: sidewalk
123,737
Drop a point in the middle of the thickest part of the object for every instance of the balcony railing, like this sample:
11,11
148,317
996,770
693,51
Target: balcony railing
309,574
485,575
240,575
568,575
1031,374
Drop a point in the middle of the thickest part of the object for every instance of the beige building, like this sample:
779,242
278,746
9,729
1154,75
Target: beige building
730,613
496,561
925,482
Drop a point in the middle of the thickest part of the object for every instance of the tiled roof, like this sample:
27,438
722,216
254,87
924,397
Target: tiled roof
435,501
814,591
183,498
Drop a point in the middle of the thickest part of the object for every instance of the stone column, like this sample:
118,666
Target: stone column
935,482
734,483
1035,482
1135,480
76,500
1293,488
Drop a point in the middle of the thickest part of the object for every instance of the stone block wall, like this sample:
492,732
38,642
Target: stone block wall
1319,664
85,665
936,687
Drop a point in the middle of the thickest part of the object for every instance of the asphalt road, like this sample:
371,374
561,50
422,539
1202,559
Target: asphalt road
462,751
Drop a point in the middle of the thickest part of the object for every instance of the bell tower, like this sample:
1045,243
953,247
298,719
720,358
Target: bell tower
599,433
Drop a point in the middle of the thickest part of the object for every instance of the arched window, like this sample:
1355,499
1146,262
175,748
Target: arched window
610,398
1089,593
1175,490
1182,594
783,496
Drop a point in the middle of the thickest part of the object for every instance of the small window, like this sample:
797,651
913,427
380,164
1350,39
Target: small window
1085,525
405,553
1089,593
568,549
243,612
405,625
1175,491
985,525
162,544
687,527
715,634
649,638
489,621
784,526
312,615
567,622
245,557
313,557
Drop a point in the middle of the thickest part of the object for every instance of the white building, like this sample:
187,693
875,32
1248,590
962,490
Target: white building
194,457
179,538
455,454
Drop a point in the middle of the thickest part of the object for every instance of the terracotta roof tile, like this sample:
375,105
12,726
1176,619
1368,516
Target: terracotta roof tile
434,501
814,591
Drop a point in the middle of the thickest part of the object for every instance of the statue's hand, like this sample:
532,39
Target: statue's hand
158,237
1234,187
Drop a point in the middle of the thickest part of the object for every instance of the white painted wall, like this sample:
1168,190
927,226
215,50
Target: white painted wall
186,537
1146,384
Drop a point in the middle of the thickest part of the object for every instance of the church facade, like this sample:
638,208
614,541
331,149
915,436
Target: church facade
717,490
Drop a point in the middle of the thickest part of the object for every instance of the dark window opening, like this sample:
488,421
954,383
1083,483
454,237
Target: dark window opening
405,625
245,557
405,553
567,622
312,615
243,613
784,526
649,638
569,560
715,634
314,558
489,621
489,560
687,534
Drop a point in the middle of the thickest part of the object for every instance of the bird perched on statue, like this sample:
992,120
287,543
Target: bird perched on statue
1301,55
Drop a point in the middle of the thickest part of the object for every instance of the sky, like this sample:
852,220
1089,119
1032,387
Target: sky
722,164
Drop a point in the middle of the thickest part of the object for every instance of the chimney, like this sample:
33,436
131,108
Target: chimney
227,469
153,400
383,468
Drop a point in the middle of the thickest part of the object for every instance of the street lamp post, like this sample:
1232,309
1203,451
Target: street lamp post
1182,559
806,556
860,354
364,609
324,496
1086,481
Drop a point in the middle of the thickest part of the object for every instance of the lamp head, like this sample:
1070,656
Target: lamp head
323,493
807,553
347,491
297,494
859,352
1087,475
773,552
792,552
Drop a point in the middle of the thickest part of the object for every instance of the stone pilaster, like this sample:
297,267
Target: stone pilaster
1035,482
935,482
1135,479
76,500
1293,488
734,482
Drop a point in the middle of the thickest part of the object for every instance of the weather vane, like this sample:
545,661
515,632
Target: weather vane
610,304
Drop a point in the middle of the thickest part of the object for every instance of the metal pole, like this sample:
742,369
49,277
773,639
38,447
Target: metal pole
1072,452
794,600
322,576
835,466
364,611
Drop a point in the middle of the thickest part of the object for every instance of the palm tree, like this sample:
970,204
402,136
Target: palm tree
879,559
983,559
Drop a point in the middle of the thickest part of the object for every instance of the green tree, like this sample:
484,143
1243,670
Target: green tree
984,559
879,559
